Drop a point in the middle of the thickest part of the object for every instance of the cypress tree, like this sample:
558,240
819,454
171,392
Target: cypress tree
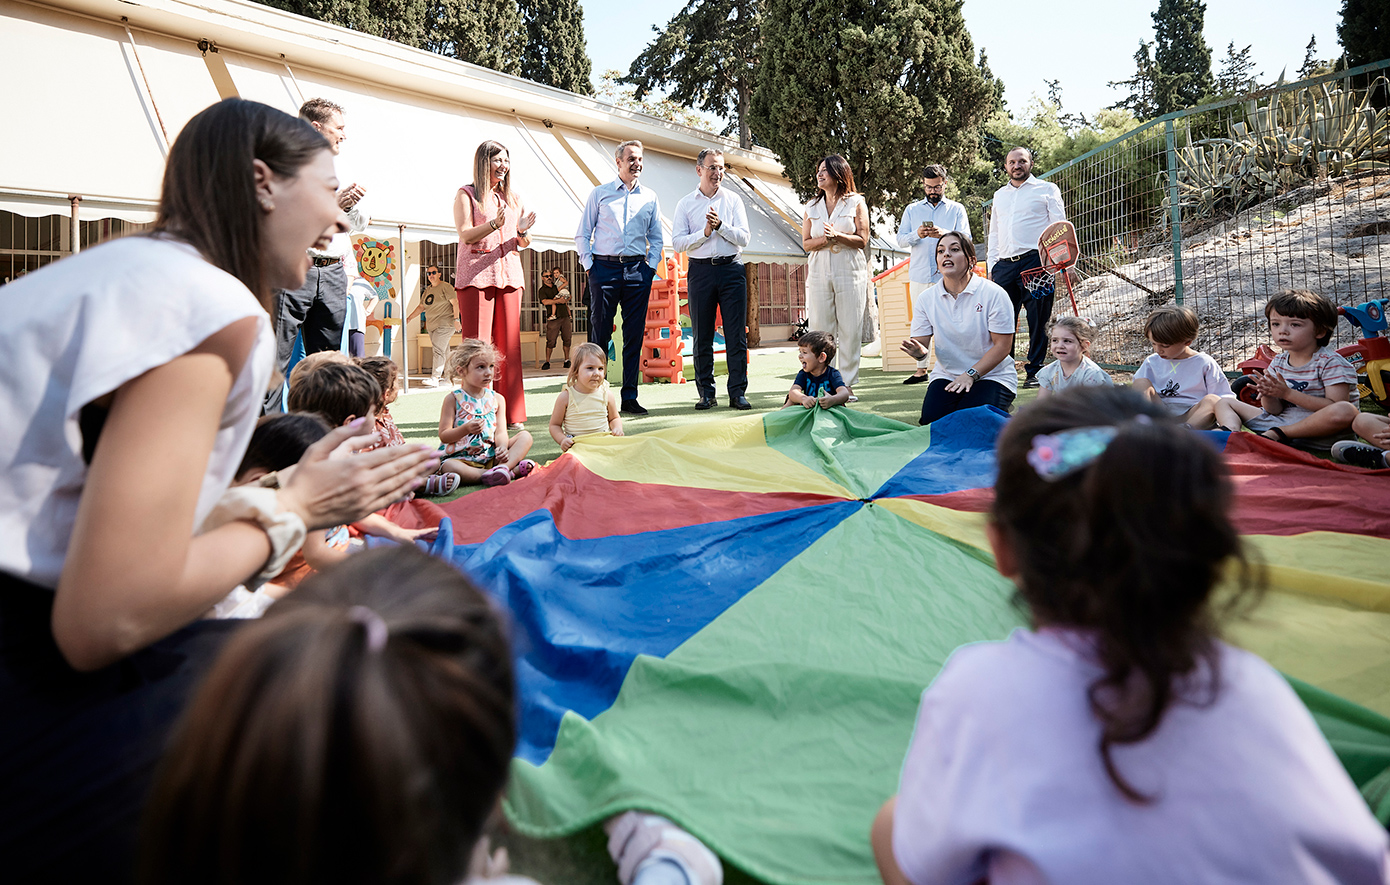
1365,31
890,84
1182,54
705,57
556,53
484,32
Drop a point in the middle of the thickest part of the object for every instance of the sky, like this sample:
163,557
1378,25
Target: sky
1082,43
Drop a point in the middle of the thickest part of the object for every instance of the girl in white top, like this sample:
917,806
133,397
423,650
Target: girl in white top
1070,340
1118,739
130,388
834,233
587,405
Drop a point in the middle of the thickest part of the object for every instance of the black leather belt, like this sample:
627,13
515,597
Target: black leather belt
325,262
717,260
619,259
1021,256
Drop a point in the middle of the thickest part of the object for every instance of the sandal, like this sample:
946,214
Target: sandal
523,468
441,484
496,476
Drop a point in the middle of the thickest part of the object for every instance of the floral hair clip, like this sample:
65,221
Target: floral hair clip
1056,455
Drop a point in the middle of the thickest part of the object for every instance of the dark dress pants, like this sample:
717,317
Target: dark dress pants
318,309
725,287
1037,305
940,402
626,284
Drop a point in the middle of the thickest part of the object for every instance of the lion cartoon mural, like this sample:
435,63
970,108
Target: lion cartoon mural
376,262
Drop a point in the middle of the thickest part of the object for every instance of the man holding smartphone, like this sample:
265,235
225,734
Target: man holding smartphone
924,222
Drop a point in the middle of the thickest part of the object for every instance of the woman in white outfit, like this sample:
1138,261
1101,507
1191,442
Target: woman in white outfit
834,232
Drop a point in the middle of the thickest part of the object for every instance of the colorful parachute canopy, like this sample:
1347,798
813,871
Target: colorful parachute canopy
732,623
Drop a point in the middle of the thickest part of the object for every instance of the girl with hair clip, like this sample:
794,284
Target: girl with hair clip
1070,339
1117,739
360,733
492,225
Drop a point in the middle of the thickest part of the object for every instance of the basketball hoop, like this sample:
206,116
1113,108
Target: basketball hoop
1038,282
1059,252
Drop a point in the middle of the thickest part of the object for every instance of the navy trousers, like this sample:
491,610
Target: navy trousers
319,309
725,287
1038,305
938,402
625,284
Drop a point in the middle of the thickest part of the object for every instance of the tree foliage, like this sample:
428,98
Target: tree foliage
1181,53
1237,75
612,89
556,53
705,58
890,84
1142,100
1365,31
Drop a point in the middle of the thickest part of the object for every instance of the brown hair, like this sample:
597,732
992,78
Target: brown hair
1082,327
385,371
360,732
337,392
935,170
314,360
1306,305
319,110
837,167
461,357
280,441
587,349
1172,324
482,175
1128,549
967,245
208,197
820,343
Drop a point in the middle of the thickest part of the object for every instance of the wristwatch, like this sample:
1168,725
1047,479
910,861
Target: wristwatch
972,373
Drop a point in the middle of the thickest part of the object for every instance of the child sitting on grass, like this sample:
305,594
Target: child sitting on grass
473,421
818,383
361,732
1185,382
388,374
1070,341
340,393
587,405
1309,390
1375,452
1118,739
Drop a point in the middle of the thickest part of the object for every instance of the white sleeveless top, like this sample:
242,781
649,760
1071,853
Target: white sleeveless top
78,330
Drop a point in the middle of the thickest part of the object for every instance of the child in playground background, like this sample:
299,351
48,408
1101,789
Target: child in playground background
1375,451
587,405
1184,381
473,421
388,375
818,383
361,732
1309,390
1117,739
1070,341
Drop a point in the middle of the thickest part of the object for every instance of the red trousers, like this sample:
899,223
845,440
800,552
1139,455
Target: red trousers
494,314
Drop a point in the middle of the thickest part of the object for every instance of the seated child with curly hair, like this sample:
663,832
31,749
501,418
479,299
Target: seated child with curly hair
1309,390
473,421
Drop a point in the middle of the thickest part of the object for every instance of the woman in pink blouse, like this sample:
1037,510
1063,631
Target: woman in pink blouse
492,223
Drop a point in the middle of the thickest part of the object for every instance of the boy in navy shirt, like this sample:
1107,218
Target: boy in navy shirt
818,383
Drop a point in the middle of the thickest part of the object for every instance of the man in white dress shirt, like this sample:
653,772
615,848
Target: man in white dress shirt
620,242
923,224
1022,209
711,227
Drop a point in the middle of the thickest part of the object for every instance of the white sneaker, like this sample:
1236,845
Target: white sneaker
637,839
429,382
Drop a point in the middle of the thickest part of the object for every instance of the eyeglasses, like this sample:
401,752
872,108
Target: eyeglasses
719,169
433,273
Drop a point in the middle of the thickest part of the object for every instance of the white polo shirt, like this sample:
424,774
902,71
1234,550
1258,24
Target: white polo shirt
960,327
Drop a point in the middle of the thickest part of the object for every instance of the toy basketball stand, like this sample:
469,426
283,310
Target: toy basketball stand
1059,252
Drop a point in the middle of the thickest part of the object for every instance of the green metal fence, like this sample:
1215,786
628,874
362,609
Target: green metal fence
1220,206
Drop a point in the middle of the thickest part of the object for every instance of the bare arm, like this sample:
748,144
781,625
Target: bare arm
810,242
557,421
881,838
615,418
448,433
379,526
318,554
838,398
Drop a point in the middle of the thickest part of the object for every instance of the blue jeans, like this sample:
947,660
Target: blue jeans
626,284
1038,305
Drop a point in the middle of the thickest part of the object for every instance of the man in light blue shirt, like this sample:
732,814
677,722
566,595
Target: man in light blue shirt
620,243
923,224
711,227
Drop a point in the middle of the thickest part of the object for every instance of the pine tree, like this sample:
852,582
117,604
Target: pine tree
705,58
1311,64
890,84
556,53
1182,55
1237,72
1142,100
1365,31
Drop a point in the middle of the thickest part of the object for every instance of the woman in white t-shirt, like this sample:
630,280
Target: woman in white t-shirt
972,322
131,385
1117,739
833,233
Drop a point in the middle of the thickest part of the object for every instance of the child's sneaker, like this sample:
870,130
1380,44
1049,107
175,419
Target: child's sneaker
1359,454
638,840
523,468
496,476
